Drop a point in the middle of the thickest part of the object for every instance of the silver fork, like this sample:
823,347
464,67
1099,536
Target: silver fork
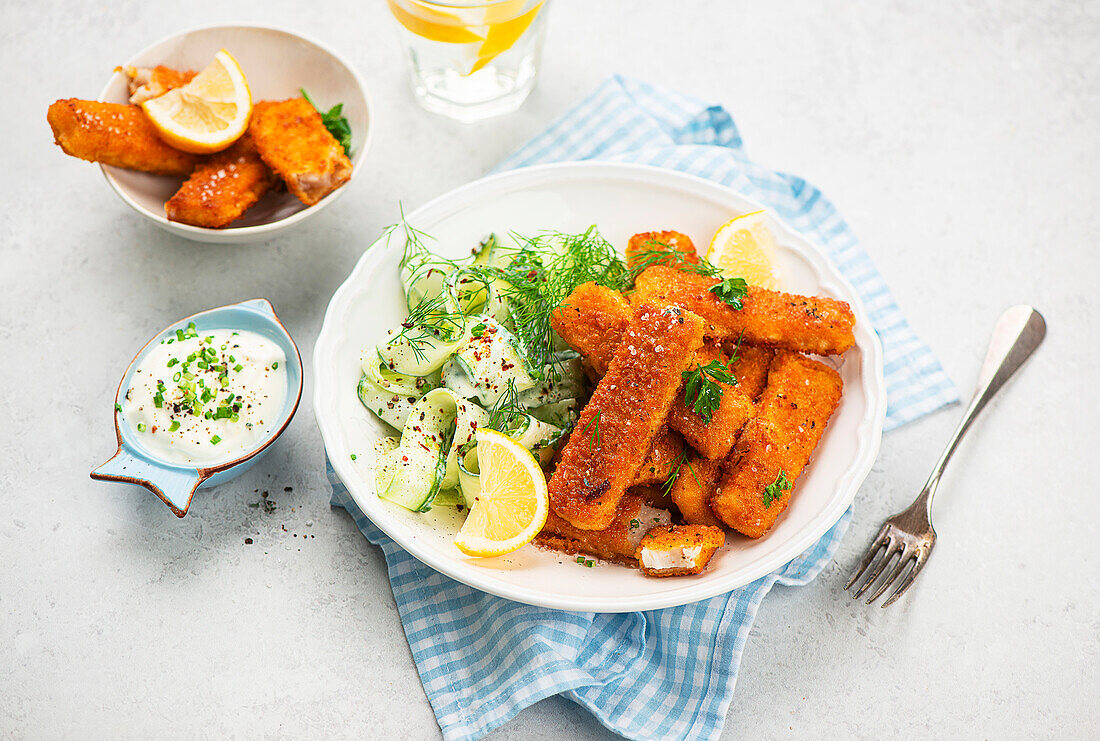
909,535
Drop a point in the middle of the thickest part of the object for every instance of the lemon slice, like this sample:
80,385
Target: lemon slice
503,34
744,247
433,24
207,114
512,506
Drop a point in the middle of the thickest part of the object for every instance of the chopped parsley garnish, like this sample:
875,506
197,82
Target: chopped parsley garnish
774,491
731,290
335,121
702,391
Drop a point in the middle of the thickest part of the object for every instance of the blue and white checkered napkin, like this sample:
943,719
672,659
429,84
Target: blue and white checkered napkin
665,674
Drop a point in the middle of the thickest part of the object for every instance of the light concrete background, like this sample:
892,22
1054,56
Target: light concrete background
959,140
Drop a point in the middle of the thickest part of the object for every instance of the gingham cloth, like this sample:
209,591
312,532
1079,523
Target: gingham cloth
665,674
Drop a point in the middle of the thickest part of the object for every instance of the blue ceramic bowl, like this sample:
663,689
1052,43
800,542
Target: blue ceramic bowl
175,483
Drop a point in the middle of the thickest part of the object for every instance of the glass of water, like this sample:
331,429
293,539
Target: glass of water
472,59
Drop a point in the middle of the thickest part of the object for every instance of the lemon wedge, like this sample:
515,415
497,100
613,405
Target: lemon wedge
512,506
744,247
207,114
504,33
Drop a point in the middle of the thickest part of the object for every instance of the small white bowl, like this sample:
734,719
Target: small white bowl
277,63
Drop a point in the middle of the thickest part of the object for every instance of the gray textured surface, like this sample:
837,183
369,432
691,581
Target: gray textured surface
960,141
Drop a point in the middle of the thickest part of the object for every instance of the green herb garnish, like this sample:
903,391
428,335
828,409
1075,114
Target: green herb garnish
702,391
507,413
477,330
594,425
275,365
141,427
773,492
354,456
731,290
174,426
662,253
118,407
215,440
335,121
674,474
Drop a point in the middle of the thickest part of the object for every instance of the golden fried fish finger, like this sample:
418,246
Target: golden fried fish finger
617,426
222,188
759,476
292,139
678,550
617,542
693,489
810,324
115,134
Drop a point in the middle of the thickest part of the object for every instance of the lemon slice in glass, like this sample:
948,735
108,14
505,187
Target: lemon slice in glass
512,506
744,247
207,114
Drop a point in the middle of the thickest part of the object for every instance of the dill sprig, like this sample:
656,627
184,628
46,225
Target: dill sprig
674,473
507,412
541,274
773,492
702,391
594,436
662,253
428,321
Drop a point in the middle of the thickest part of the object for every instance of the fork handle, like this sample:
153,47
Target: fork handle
1018,332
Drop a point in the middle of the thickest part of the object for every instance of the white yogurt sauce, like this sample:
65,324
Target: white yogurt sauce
206,398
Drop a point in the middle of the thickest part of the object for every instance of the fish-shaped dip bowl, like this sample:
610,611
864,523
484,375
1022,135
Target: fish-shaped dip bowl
141,463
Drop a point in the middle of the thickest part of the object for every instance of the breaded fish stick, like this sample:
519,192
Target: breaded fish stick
115,134
646,248
758,480
222,188
810,324
714,439
679,550
293,141
693,489
148,83
592,321
617,426
617,542
751,368
664,453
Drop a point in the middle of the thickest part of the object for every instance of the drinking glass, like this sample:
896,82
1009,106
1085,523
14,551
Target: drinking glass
471,59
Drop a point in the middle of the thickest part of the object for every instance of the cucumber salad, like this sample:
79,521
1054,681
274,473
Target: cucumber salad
477,350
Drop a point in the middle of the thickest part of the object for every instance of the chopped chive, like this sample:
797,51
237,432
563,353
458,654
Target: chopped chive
174,426
580,559
141,427
353,456
173,361
158,401
589,563
275,365
232,359
215,440
118,407
238,367
176,376
179,335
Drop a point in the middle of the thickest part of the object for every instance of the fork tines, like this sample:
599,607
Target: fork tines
898,550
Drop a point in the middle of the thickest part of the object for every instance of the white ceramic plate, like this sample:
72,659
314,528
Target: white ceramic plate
277,63
622,200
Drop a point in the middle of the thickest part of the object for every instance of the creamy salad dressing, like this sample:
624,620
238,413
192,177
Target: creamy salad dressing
204,398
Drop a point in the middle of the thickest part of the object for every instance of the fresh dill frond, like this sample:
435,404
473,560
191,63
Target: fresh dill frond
594,436
674,473
429,321
702,391
507,412
544,269
774,491
662,253
335,121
